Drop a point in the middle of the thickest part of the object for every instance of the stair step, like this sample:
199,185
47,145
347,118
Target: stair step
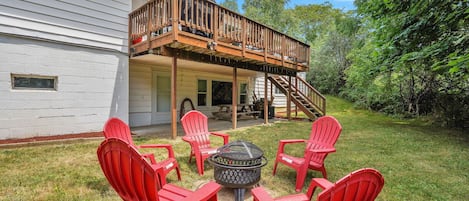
304,103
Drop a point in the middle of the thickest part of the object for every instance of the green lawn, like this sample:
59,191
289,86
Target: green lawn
418,161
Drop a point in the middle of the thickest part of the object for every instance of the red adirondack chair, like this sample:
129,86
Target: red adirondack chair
195,126
361,185
324,134
116,128
135,179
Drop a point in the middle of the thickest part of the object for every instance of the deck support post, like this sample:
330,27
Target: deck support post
266,102
173,96
296,87
234,95
289,98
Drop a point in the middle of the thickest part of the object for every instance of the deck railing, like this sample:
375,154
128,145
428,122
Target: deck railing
213,22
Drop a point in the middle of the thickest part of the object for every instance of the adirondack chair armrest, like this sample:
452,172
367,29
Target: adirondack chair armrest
318,182
261,194
153,146
206,192
324,150
282,143
224,135
193,143
160,172
150,157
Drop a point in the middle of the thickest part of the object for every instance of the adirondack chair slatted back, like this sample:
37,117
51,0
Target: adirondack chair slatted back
131,176
324,133
116,128
361,185
195,125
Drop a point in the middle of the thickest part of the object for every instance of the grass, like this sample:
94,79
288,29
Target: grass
418,161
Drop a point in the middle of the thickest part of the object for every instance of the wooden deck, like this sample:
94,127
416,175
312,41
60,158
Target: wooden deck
207,32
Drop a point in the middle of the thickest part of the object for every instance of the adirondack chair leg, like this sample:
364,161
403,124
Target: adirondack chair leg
178,173
300,179
162,179
323,171
190,157
200,165
275,168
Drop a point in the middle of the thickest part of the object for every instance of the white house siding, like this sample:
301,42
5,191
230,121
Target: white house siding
140,91
92,86
95,23
140,77
81,42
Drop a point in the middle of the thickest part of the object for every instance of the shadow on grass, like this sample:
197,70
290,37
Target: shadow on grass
99,184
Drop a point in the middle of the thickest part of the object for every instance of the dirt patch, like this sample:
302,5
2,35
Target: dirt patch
19,141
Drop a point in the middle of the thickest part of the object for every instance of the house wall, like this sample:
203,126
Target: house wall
141,86
84,44
93,23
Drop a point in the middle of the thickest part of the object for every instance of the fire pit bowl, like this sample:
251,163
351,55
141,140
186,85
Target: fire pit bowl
238,165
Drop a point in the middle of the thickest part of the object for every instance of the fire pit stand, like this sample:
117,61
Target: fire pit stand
238,165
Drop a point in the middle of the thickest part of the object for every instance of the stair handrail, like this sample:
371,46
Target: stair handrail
310,94
316,97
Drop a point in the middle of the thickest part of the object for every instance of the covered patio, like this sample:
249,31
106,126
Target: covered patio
164,130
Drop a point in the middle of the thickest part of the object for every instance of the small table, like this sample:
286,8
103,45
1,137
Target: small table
225,111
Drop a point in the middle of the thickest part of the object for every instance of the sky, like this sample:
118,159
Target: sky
339,4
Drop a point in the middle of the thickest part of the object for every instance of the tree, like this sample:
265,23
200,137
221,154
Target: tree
420,47
230,4
267,12
331,34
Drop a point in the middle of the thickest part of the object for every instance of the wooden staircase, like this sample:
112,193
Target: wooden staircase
303,95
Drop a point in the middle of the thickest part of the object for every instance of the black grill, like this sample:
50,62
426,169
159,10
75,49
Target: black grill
238,165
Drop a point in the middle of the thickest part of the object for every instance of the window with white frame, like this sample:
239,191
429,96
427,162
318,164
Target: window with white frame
33,82
201,92
243,93
221,92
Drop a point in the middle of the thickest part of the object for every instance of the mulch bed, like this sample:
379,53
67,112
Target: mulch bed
50,138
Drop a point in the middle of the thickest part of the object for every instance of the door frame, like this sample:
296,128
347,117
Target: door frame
158,117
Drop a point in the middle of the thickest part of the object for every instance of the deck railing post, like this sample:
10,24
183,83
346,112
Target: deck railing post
175,19
243,32
298,53
129,39
283,50
148,18
215,23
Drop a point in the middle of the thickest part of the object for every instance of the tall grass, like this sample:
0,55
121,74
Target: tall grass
418,161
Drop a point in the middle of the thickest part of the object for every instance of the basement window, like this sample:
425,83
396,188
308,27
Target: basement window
243,93
201,92
34,82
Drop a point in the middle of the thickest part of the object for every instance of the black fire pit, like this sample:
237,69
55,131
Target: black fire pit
238,165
